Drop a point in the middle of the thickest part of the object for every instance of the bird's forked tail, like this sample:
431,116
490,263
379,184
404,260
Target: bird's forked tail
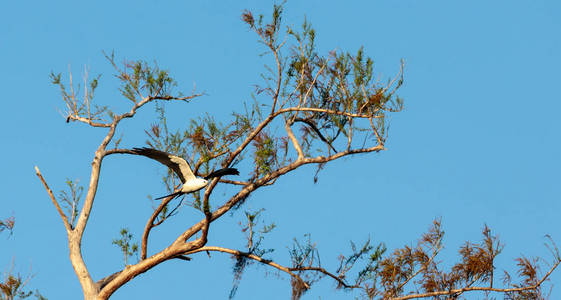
172,194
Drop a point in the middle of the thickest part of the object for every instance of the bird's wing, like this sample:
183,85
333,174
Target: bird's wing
176,163
223,172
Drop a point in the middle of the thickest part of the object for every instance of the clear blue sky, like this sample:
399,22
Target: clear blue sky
478,141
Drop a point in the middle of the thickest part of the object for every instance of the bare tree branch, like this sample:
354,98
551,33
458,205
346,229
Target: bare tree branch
150,224
294,141
88,121
53,199
142,266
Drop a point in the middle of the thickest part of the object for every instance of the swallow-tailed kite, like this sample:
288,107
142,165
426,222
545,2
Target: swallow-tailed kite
191,183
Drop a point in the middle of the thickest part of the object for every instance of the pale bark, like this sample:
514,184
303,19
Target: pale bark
91,289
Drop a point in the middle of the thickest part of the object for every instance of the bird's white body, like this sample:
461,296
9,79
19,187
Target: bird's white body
194,185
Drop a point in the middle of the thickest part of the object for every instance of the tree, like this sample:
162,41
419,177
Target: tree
318,108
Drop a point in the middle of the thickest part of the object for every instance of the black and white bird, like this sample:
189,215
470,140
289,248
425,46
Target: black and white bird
179,166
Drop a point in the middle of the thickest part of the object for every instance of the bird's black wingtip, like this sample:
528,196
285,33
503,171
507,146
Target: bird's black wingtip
223,172
141,150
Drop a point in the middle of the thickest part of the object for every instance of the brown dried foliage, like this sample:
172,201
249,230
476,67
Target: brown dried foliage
413,272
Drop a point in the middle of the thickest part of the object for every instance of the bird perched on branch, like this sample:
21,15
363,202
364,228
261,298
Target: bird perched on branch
179,166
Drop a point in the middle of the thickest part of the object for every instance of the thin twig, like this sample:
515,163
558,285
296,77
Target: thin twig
325,272
254,257
420,269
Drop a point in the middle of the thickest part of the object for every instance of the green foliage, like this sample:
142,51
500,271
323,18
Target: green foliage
367,253
265,155
140,79
255,238
141,82
125,244
303,254
200,144
203,141
71,200
341,100
80,107
334,90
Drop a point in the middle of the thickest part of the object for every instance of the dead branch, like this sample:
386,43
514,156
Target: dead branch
55,202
